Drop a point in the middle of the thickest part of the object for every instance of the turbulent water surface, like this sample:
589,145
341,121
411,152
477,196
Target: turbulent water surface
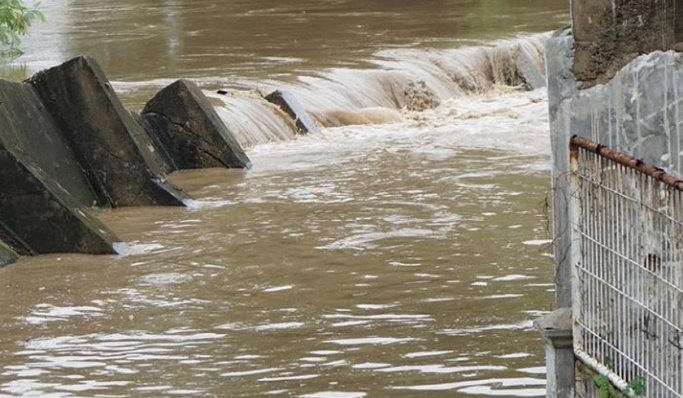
398,253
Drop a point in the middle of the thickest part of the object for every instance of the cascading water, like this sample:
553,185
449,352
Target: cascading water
405,79
252,119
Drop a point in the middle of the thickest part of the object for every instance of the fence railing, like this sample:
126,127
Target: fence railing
627,254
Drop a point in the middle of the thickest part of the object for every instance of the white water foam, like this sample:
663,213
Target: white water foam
514,123
473,84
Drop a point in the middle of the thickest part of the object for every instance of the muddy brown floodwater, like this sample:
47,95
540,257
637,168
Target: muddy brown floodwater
396,260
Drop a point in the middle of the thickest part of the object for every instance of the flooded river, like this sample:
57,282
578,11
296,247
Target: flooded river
380,260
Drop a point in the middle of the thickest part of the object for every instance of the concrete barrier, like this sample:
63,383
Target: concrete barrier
289,104
166,159
119,157
186,127
38,215
67,143
44,192
29,131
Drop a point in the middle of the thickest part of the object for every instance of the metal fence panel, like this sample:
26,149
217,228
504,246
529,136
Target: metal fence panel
627,253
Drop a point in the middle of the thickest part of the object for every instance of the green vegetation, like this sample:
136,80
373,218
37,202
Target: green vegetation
605,388
567,31
637,386
15,19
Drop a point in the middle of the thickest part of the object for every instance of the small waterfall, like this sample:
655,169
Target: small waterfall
252,119
413,79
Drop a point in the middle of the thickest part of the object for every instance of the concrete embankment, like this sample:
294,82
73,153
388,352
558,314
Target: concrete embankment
637,112
67,144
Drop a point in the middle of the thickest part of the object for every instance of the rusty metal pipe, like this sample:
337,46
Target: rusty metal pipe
627,161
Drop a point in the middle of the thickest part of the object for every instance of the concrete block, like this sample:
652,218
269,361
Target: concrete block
186,126
26,126
289,105
115,151
44,192
159,149
38,215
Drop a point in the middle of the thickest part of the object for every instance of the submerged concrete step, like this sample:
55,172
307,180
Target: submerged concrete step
291,106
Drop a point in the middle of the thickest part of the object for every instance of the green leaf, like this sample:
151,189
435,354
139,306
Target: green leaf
637,386
15,20
605,387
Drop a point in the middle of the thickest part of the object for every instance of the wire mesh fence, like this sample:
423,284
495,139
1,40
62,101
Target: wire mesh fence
627,252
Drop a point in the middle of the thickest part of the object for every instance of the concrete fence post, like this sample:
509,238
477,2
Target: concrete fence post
556,329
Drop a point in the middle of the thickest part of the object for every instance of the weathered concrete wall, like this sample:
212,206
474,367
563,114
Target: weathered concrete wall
113,148
562,86
611,33
638,111
187,129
